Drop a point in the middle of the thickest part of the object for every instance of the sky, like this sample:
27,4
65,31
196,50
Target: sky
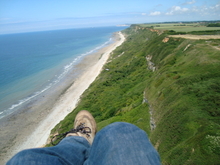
38,15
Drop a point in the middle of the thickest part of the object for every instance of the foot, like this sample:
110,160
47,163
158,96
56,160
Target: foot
86,120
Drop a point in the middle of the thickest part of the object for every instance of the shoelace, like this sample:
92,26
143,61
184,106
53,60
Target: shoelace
80,128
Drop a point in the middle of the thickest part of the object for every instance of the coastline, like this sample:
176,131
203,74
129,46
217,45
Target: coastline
31,128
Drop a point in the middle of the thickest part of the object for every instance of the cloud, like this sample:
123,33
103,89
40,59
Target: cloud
144,14
189,2
206,10
155,13
5,21
177,10
192,2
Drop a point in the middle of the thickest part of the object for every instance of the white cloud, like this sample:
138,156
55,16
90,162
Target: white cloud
206,10
169,13
144,14
155,13
192,2
189,2
176,10
11,21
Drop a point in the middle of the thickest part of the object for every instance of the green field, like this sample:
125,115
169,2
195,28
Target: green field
181,27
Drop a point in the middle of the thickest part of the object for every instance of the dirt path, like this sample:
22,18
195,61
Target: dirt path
196,37
215,47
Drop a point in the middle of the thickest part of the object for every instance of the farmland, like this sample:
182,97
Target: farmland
181,27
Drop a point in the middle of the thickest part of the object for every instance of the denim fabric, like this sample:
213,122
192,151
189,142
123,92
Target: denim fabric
71,150
118,143
122,143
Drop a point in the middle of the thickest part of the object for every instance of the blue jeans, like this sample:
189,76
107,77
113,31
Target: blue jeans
116,144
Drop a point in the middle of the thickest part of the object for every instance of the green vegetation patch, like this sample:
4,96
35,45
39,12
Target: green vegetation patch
213,25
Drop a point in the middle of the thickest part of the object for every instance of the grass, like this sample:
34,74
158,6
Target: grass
183,94
188,103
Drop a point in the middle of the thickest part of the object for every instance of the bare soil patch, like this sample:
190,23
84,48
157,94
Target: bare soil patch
196,37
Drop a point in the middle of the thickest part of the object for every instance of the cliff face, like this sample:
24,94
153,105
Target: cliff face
169,89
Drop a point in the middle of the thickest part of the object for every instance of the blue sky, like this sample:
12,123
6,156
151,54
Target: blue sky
37,15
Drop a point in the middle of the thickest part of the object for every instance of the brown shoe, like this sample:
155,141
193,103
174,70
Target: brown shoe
85,120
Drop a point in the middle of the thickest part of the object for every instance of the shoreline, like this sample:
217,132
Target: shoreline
43,120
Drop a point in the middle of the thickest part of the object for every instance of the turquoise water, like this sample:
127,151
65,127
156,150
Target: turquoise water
32,63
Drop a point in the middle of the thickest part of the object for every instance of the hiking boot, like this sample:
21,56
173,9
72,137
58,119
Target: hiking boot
85,120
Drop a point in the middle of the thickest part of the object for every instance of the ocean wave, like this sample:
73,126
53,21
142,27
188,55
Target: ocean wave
66,69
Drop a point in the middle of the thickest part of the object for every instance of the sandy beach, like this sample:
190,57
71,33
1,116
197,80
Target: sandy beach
30,128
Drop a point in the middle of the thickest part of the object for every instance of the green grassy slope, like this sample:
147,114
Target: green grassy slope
183,95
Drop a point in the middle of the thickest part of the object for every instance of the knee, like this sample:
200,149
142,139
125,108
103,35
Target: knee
122,128
119,125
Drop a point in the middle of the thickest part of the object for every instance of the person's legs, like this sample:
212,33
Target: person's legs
122,143
118,143
72,150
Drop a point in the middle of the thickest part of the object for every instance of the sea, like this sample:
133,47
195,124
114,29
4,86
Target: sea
32,63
